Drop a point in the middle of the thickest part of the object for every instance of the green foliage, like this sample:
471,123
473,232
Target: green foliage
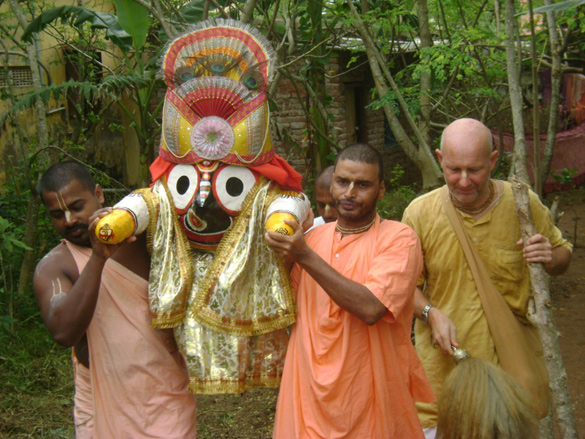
133,18
397,197
192,12
86,89
36,384
130,83
11,254
114,85
14,196
12,213
11,250
8,242
564,175
558,7
75,16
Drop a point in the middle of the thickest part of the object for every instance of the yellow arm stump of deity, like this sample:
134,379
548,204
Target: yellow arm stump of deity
291,205
129,217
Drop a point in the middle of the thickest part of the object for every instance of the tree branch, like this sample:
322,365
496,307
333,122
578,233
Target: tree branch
542,318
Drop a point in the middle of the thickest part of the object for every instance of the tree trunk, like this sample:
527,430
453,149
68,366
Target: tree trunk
248,11
540,315
512,62
425,78
421,156
538,183
316,81
555,97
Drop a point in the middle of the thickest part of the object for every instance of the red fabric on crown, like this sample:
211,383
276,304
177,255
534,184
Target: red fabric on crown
276,169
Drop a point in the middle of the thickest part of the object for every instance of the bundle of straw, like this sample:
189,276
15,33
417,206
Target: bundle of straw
481,401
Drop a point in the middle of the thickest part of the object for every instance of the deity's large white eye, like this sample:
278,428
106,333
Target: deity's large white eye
231,184
183,183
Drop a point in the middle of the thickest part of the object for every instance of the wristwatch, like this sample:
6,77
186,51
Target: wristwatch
424,315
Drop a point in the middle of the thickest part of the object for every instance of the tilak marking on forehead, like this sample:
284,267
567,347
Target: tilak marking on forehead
464,174
351,186
63,206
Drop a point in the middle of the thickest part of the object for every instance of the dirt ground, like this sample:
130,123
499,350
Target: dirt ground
568,298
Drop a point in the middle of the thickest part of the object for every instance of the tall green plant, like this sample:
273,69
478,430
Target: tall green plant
10,244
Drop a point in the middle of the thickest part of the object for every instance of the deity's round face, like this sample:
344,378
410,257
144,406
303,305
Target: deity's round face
207,197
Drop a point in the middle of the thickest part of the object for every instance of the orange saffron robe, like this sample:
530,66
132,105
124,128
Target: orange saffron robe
343,378
138,376
82,401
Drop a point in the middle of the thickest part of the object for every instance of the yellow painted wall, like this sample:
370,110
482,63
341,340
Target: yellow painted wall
50,53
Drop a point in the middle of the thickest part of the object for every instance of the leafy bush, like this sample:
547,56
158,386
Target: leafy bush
564,175
397,196
36,384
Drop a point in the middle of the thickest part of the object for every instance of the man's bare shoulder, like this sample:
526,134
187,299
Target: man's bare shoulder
59,261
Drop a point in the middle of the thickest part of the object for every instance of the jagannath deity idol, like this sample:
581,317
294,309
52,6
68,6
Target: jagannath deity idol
217,185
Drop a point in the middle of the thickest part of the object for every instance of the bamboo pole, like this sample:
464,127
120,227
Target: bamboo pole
540,315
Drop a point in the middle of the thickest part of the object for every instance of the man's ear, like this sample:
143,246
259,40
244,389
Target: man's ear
99,194
381,191
493,159
439,156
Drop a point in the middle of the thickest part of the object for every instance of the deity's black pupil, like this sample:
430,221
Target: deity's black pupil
183,184
234,186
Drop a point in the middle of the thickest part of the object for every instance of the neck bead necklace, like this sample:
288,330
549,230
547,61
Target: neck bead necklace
362,229
479,209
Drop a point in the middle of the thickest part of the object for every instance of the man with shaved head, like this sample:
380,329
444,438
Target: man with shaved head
130,379
327,212
351,371
447,302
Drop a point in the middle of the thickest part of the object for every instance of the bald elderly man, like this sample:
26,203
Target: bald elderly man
447,303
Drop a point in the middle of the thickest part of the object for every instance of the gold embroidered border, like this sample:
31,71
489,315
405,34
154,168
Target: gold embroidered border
166,320
222,256
273,193
152,204
234,386
174,318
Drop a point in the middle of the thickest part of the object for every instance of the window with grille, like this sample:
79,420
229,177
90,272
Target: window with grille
21,76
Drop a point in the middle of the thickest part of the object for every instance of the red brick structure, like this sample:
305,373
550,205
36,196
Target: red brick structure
350,90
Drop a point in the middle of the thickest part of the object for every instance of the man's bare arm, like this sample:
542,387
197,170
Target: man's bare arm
67,304
68,301
443,330
539,249
351,296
